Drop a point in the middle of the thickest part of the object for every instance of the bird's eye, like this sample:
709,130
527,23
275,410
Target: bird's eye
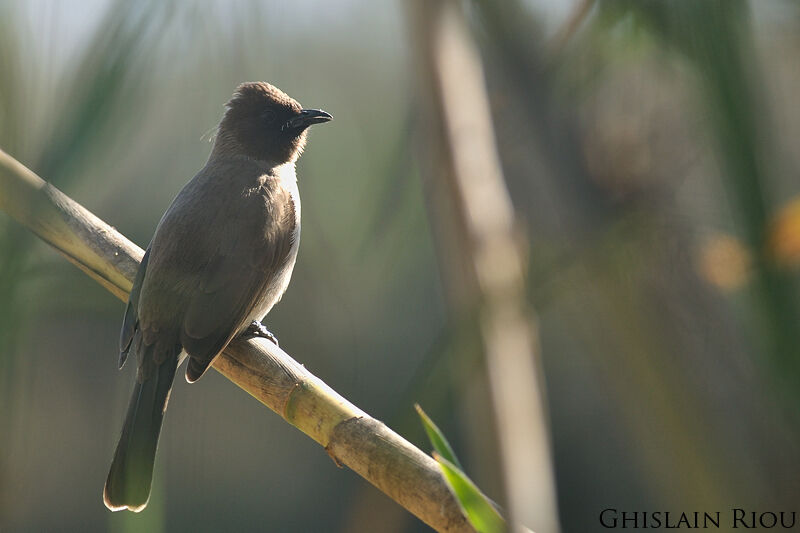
268,116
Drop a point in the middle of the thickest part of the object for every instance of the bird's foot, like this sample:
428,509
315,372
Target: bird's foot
257,329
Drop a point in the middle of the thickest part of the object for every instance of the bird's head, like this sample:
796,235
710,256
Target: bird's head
264,123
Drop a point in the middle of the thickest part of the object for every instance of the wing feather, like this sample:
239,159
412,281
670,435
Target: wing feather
238,277
131,320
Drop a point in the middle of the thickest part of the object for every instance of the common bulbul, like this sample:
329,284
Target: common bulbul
220,258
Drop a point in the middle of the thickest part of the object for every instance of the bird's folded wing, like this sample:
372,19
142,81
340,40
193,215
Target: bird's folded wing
131,320
238,275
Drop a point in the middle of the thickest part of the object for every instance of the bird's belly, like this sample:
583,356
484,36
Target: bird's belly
277,286
274,292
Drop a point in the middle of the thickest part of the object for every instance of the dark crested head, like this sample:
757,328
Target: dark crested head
264,123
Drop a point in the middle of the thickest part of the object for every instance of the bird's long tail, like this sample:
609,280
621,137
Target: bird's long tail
131,474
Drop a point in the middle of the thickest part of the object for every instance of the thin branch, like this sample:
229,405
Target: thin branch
349,435
464,171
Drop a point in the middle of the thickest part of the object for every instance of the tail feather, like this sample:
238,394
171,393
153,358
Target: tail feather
131,473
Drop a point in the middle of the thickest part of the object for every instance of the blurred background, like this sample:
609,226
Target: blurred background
651,152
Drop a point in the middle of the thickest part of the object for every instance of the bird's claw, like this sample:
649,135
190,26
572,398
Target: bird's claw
257,329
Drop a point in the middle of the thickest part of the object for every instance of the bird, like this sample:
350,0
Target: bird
220,258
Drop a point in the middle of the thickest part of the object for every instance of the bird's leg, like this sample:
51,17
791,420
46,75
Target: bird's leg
257,329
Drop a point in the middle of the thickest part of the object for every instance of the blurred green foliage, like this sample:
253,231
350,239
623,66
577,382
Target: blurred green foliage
715,37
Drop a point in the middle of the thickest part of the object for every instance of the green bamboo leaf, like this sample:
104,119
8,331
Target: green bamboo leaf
476,506
437,438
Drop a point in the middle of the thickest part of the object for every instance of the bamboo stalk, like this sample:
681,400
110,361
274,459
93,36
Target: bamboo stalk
464,170
350,436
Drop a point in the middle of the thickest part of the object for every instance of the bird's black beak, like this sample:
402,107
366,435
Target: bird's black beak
306,118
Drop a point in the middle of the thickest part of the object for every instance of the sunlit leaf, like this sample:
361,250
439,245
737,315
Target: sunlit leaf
437,438
478,509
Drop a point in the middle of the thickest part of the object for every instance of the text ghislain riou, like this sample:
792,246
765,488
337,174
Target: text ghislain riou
735,518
